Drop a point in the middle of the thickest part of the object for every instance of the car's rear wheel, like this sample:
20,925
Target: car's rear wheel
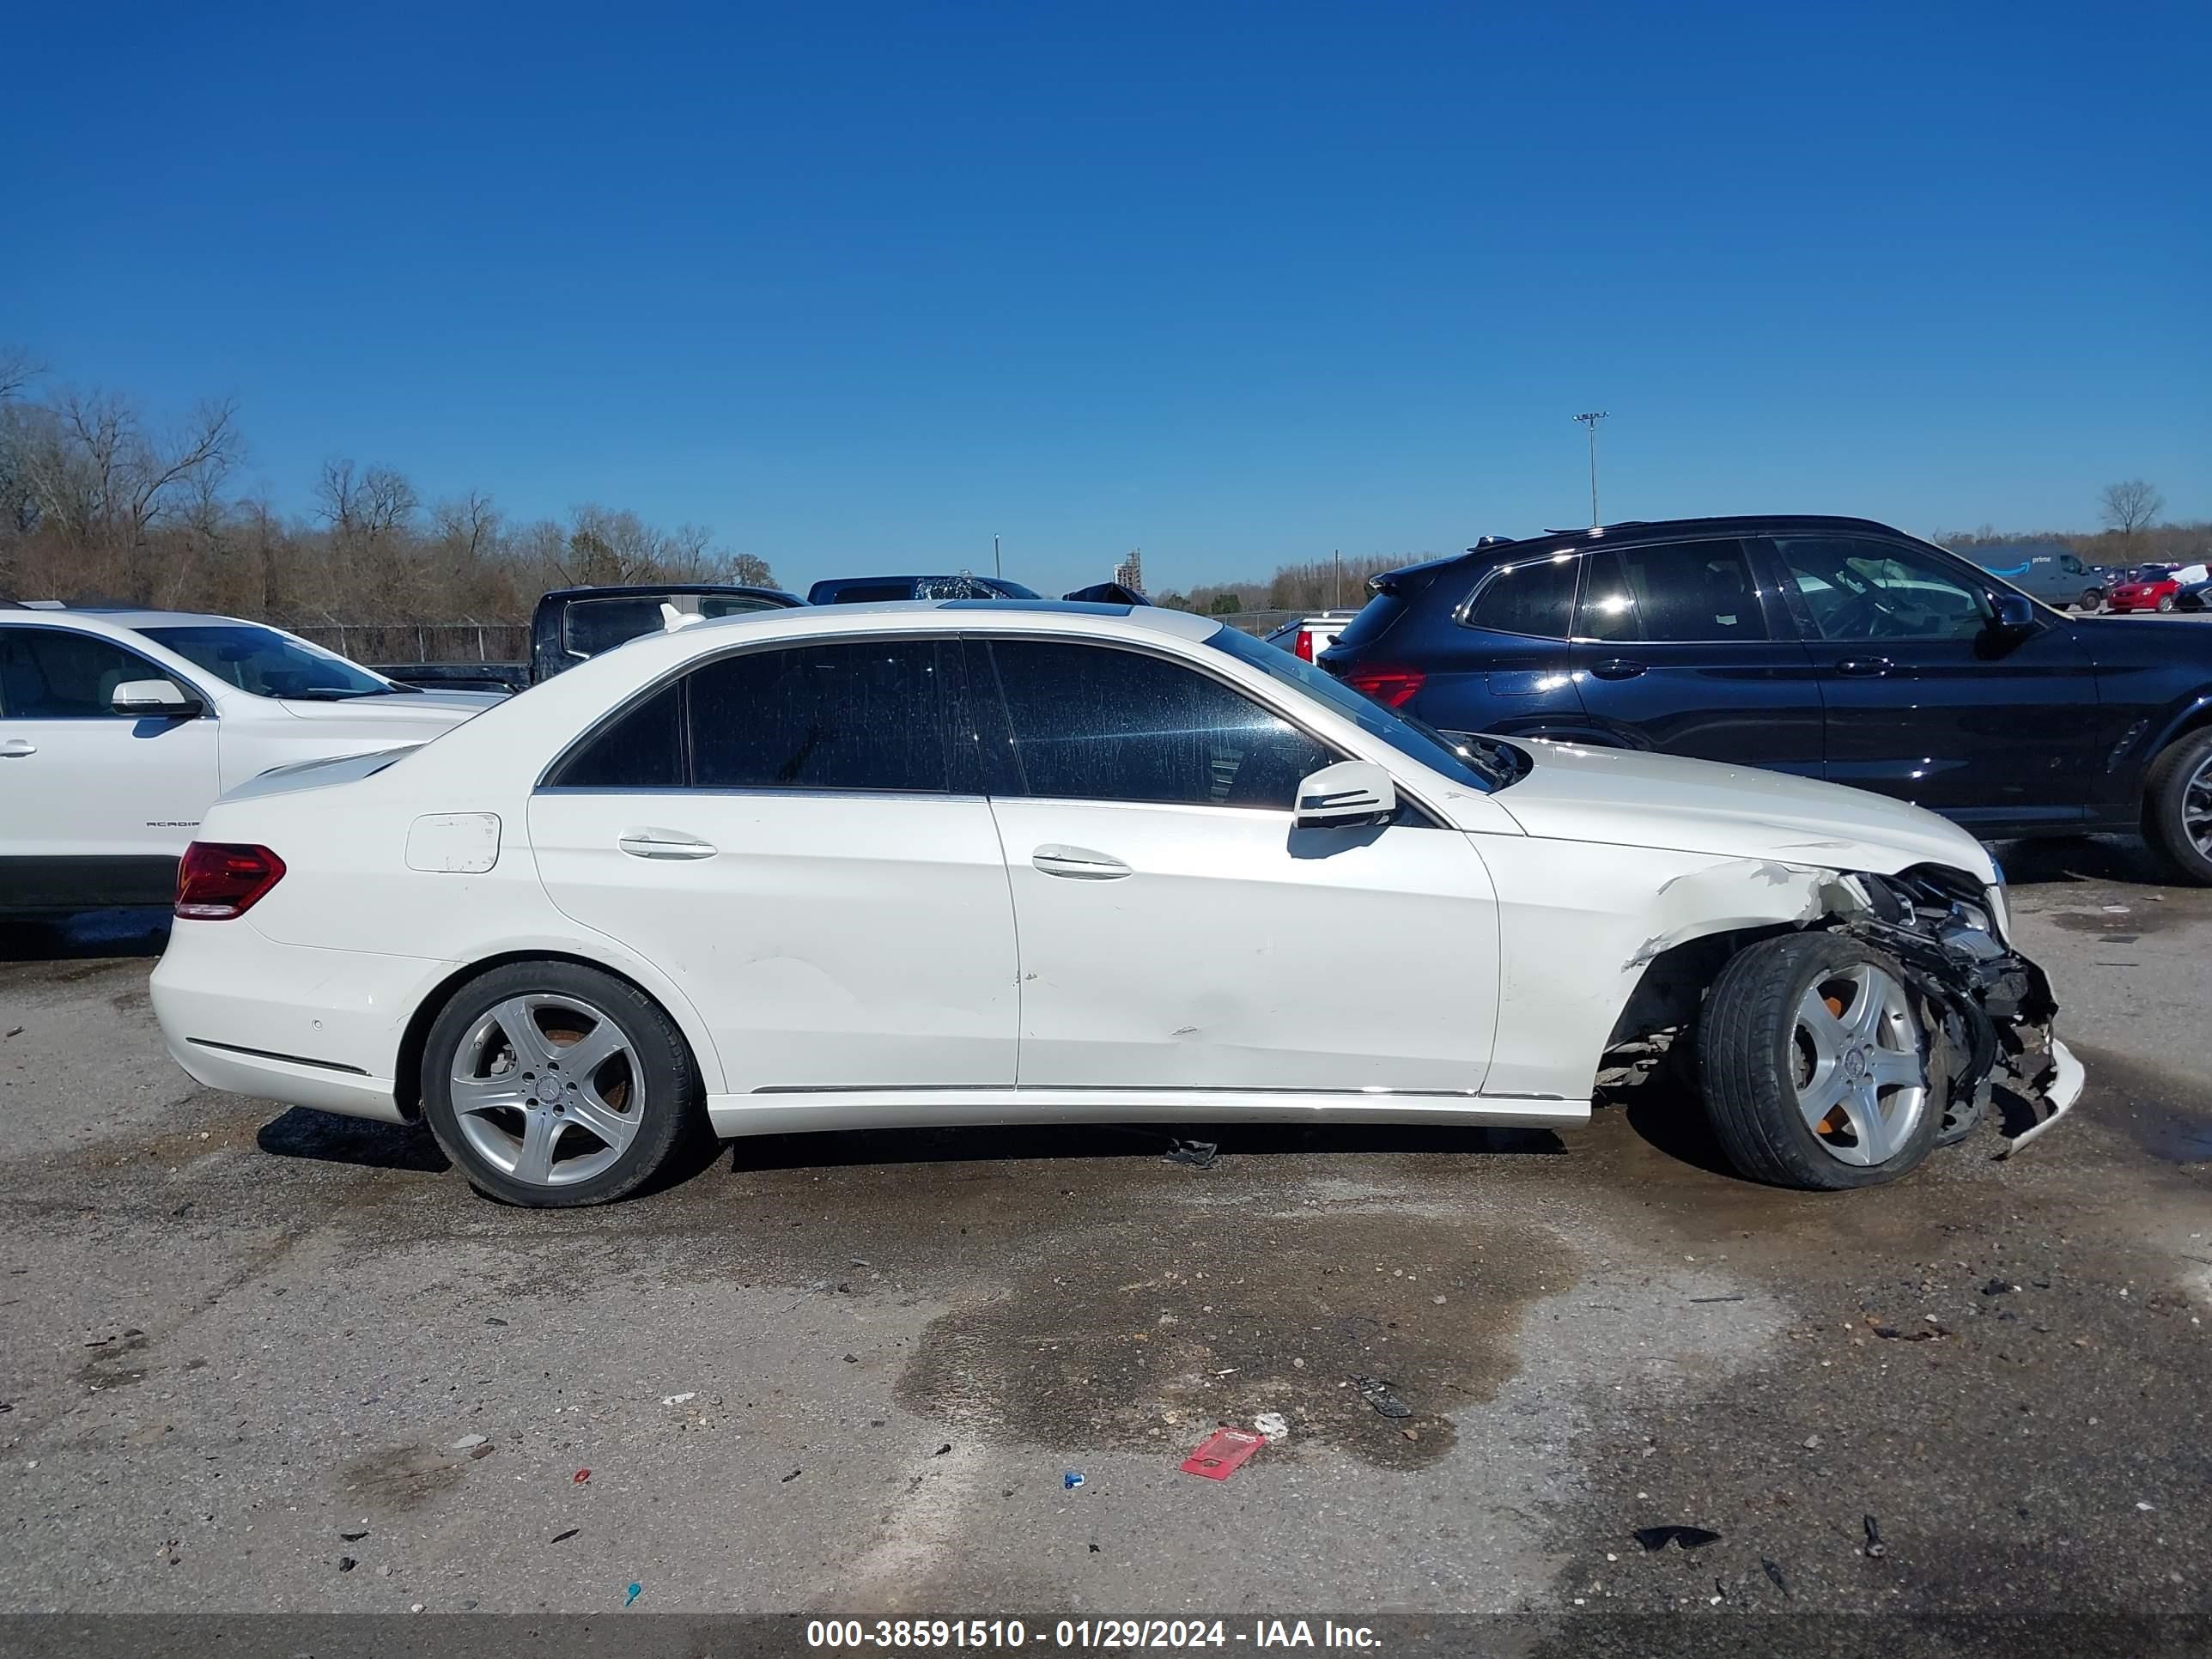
1815,1065
2177,816
553,1085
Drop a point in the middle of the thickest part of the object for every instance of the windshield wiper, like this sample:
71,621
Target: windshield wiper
328,694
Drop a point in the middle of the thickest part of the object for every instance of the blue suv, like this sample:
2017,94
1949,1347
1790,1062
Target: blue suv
1834,648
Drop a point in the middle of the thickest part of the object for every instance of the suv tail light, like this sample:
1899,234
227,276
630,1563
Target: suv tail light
1393,688
1303,650
217,880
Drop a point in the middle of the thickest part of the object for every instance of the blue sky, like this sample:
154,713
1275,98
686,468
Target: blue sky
861,286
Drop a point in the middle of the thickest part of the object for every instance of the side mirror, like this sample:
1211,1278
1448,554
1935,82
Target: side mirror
1344,796
2016,614
162,699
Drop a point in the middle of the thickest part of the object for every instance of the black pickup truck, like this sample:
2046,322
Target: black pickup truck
573,623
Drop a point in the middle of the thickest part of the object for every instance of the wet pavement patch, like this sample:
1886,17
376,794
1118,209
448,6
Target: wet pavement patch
1143,1337
398,1478
2165,1115
114,1363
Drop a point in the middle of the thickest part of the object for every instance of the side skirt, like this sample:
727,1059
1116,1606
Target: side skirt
733,1116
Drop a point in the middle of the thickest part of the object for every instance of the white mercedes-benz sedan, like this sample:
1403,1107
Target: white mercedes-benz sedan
979,863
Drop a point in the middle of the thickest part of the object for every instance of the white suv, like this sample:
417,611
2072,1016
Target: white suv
119,728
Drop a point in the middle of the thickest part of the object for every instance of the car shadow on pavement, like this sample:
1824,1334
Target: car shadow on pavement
328,1138
997,1143
142,931
2083,858
1672,1121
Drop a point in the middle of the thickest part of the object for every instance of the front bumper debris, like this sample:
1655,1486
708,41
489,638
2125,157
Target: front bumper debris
1989,1008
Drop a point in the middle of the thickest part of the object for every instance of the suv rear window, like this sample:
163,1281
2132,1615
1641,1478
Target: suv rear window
1535,597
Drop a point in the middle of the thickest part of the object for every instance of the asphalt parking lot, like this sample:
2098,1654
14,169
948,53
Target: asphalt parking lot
245,1352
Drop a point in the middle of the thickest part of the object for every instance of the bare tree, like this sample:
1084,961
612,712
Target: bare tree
2129,508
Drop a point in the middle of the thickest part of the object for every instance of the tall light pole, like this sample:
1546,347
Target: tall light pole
997,569
1590,420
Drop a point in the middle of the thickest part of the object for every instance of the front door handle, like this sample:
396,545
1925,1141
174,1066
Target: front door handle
1078,863
1865,668
1617,668
663,844
16,748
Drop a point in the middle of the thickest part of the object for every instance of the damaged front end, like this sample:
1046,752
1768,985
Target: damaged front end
1987,1009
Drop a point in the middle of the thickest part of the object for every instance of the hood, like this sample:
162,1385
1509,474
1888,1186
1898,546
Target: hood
419,714
1628,798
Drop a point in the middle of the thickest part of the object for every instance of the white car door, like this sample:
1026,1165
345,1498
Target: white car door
1177,931
778,832
96,807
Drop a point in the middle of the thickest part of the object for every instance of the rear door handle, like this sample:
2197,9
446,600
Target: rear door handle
663,844
1617,668
1865,668
1078,863
16,748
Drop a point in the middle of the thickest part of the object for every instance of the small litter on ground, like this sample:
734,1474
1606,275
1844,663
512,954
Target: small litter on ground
1876,1548
635,1591
1222,1452
1689,1538
564,1537
582,1476
468,1442
1377,1393
1199,1154
1273,1427
679,1399
1774,1573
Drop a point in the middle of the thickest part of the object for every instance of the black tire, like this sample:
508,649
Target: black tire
2093,599
1748,1053
669,1110
2165,601
2167,789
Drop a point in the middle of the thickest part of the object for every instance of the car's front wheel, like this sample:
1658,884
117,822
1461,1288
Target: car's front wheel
1815,1065
2165,601
2093,599
555,1085
2177,818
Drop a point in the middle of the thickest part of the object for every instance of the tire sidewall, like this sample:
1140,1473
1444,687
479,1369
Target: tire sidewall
1764,1082
2163,801
671,1102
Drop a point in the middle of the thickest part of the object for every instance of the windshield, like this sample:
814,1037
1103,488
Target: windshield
2152,573
270,664
1485,766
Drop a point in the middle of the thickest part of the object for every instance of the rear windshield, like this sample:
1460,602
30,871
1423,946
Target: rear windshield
1473,764
592,626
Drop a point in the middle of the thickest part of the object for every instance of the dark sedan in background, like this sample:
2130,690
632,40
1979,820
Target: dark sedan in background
1835,648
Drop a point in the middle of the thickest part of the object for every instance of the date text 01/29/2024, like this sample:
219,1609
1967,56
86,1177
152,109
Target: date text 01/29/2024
1086,1633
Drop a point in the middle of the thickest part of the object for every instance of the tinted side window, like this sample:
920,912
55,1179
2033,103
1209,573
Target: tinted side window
861,714
54,674
1679,591
643,749
1095,723
1537,597
595,625
1867,590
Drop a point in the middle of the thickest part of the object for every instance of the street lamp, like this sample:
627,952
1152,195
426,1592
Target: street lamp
1590,420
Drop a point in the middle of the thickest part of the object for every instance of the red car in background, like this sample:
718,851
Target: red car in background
2148,588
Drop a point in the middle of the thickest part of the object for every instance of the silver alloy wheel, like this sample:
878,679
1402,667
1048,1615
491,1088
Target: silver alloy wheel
548,1089
1861,1081
2196,807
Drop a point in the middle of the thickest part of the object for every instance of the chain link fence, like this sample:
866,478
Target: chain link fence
421,642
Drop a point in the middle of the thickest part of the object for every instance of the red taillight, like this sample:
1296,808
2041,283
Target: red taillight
1393,688
217,880
1305,647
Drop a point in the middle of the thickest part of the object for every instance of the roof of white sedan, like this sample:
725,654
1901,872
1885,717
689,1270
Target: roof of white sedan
843,618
